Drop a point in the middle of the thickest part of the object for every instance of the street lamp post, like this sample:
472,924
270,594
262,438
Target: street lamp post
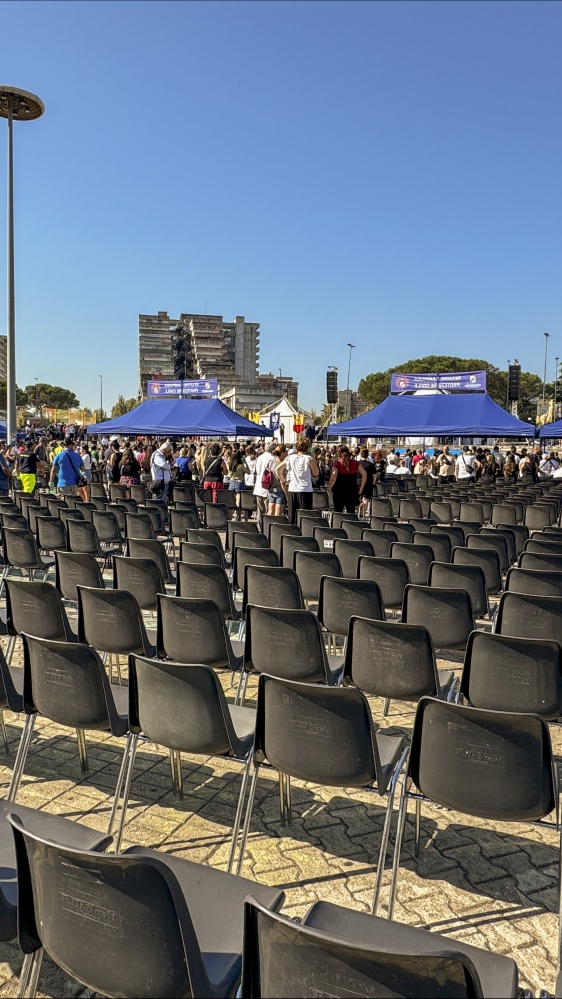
15,105
555,383
546,336
101,397
348,400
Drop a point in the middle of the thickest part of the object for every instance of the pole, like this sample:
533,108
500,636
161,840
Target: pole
11,344
507,386
546,336
555,383
101,397
348,400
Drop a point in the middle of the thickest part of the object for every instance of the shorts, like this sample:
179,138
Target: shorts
235,486
28,482
277,496
214,487
87,474
68,490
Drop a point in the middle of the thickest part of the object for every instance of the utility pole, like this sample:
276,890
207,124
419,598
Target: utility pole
348,400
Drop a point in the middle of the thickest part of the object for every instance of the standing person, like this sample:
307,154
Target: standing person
237,469
85,490
145,464
464,466
264,461
277,495
299,469
114,461
509,471
5,472
66,470
250,463
129,469
366,493
183,463
214,472
28,465
160,471
446,466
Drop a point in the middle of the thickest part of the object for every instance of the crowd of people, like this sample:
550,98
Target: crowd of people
281,477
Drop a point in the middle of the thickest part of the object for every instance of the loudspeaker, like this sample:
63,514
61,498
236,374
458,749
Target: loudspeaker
513,383
331,387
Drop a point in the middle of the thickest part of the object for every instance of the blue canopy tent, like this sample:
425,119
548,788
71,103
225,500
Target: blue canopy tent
470,415
182,418
551,429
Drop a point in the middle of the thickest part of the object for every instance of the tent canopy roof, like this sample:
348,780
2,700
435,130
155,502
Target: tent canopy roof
182,418
471,415
551,429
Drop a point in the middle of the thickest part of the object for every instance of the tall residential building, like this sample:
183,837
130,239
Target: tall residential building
195,346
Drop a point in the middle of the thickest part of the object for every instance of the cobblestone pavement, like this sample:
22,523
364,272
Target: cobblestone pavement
489,886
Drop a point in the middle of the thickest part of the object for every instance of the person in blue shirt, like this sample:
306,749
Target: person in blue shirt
66,469
183,463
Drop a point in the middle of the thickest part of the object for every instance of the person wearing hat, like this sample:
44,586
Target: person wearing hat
28,465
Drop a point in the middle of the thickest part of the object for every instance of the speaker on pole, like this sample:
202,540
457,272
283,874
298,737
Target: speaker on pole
332,386
513,382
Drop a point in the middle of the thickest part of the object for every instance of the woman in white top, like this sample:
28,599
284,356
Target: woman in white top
298,469
84,491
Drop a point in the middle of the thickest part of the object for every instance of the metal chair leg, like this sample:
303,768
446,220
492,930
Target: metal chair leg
179,775
21,757
288,799
417,828
30,974
117,794
4,732
82,750
398,845
238,816
381,864
126,792
247,820
386,706
173,770
282,809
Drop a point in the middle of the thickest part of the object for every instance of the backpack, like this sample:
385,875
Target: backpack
267,478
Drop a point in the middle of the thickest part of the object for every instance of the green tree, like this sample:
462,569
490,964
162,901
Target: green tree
122,406
21,396
53,396
99,415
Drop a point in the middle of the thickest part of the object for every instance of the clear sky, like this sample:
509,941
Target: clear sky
388,174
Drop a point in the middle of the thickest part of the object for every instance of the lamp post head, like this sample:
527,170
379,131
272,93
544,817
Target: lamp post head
22,105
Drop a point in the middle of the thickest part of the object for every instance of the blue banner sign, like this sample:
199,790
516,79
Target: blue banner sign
182,387
465,381
274,420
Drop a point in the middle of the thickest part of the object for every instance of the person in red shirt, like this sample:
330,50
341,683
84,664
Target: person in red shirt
347,479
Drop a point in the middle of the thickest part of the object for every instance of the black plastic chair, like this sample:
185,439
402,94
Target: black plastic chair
182,521
66,683
325,536
467,527
342,599
320,499
341,519
381,507
496,542
250,526
198,553
206,582
139,576
409,508
529,560
440,544
51,534
513,674
324,735
539,547
291,543
446,613
107,528
394,661
526,615
310,567
455,534
315,515
169,926
139,525
193,631
391,576
248,502
510,540
463,577
21,552
537,517
287,644
373,956
505,513
349,553
547,583
83,538
418,558
111,622
496,765
215,516
472,512
72,570
35,607
138,548
183,708
69,513
243,540
276,533
206,536
488,560
271,586
241,557
442,512
268,519
380,541
309,520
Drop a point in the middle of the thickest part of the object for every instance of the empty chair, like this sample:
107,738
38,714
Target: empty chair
544,582
354,528
139,576
494,541
381,507
139,525
325,536
67,513
446,613
215,515
409,508
156,512
472,512
277,532
349,553
51,534
154,549
206,536
319,499
310,567
200,554
529,560
391,576
418,558
309,521
422,525
455,535
374,957
120,511
138,492
501,673
380,541
21,552
33,513
504,532
271,586
180,924
530,615
540,547
82,537
250,526
291,543
248,541
342,599
111,622
394,661
269,519
107,528
309,514
488,560
181,521
247,502
441,512
467,527
117,491
519,533
184,492
537,517
463,577
340,519
73,569
496,765
194,631
290,716
440,544
207,582
504,513
35,606
404,532
97,490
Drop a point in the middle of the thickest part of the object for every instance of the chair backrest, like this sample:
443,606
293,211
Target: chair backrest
513,674
488,560
73,569
492,764
462,577
418,558
106,526
340,519
409,508
247,500
269,519
138,492
504,513
244,540
285,643
35,608
216,516
319,499
317,962
441,511
180,707
139,525
455,535
325,536
192,631
519,533
544,582
508,535
537,516
526,615
20,548
111,621
404,532
472,512
241,525
181,521
271,586
354,528
310,567
316,733
391,576
33,513
51,534
380,541
349,553
440,544
139,576
495,541
154,549
291,543
82,537
138,906
242,557
206,536
67,513
342,599
117,491
447,614
196,553
309,515
467,527
276,532
205,582
381,507
390,659
156,514
540,547
67,683
529,560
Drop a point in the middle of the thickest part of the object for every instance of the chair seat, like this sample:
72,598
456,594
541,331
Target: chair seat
335,669
121,698
244,724
46,563
237,648
52,827
390,747
445,678
498,974
216,907
12,678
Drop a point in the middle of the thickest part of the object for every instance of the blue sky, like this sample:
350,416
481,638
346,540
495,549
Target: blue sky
385,173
